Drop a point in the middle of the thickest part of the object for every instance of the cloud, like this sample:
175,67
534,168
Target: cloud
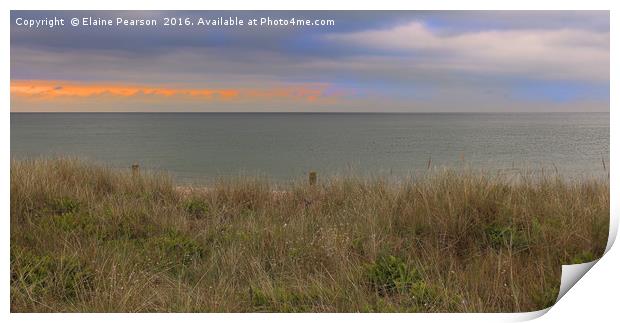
557,54
219,66
407,61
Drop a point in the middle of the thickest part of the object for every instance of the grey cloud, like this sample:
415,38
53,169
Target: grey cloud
465,59
540,54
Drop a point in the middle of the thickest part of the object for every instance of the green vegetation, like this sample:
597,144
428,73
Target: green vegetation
86,238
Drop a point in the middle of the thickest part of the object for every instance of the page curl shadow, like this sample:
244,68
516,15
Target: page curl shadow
571,274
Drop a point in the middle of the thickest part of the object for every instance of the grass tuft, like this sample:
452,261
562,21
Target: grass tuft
87,238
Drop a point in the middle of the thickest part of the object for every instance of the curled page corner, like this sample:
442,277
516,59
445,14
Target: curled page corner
571,274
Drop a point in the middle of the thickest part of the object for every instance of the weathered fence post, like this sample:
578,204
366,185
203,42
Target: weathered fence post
135,169
312,178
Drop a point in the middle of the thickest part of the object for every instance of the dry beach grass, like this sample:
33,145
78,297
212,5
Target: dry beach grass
86,238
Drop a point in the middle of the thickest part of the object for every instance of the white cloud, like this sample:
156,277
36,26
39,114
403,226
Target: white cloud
557,54
406,68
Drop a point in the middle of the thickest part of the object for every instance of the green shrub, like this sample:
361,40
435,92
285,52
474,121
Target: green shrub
425,295
283,299
64,205
389,275
259,300
179,247
506,236
127,223
546,297
196,207
40,274
72,222
583,257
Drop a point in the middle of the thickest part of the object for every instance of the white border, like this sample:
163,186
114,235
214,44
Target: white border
593,297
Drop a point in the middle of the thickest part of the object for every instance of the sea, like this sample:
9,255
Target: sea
199,148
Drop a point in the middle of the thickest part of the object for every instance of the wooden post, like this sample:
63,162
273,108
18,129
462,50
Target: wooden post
428,165
312,178
135,169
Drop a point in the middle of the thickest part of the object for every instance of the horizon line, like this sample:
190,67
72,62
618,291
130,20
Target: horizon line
303,112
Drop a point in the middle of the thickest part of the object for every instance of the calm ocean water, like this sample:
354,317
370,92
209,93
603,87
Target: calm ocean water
198,147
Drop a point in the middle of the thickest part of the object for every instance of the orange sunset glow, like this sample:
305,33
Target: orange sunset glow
52,89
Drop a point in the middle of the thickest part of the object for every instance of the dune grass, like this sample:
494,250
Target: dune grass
86,238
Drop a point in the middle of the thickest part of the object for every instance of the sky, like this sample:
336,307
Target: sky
367,61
